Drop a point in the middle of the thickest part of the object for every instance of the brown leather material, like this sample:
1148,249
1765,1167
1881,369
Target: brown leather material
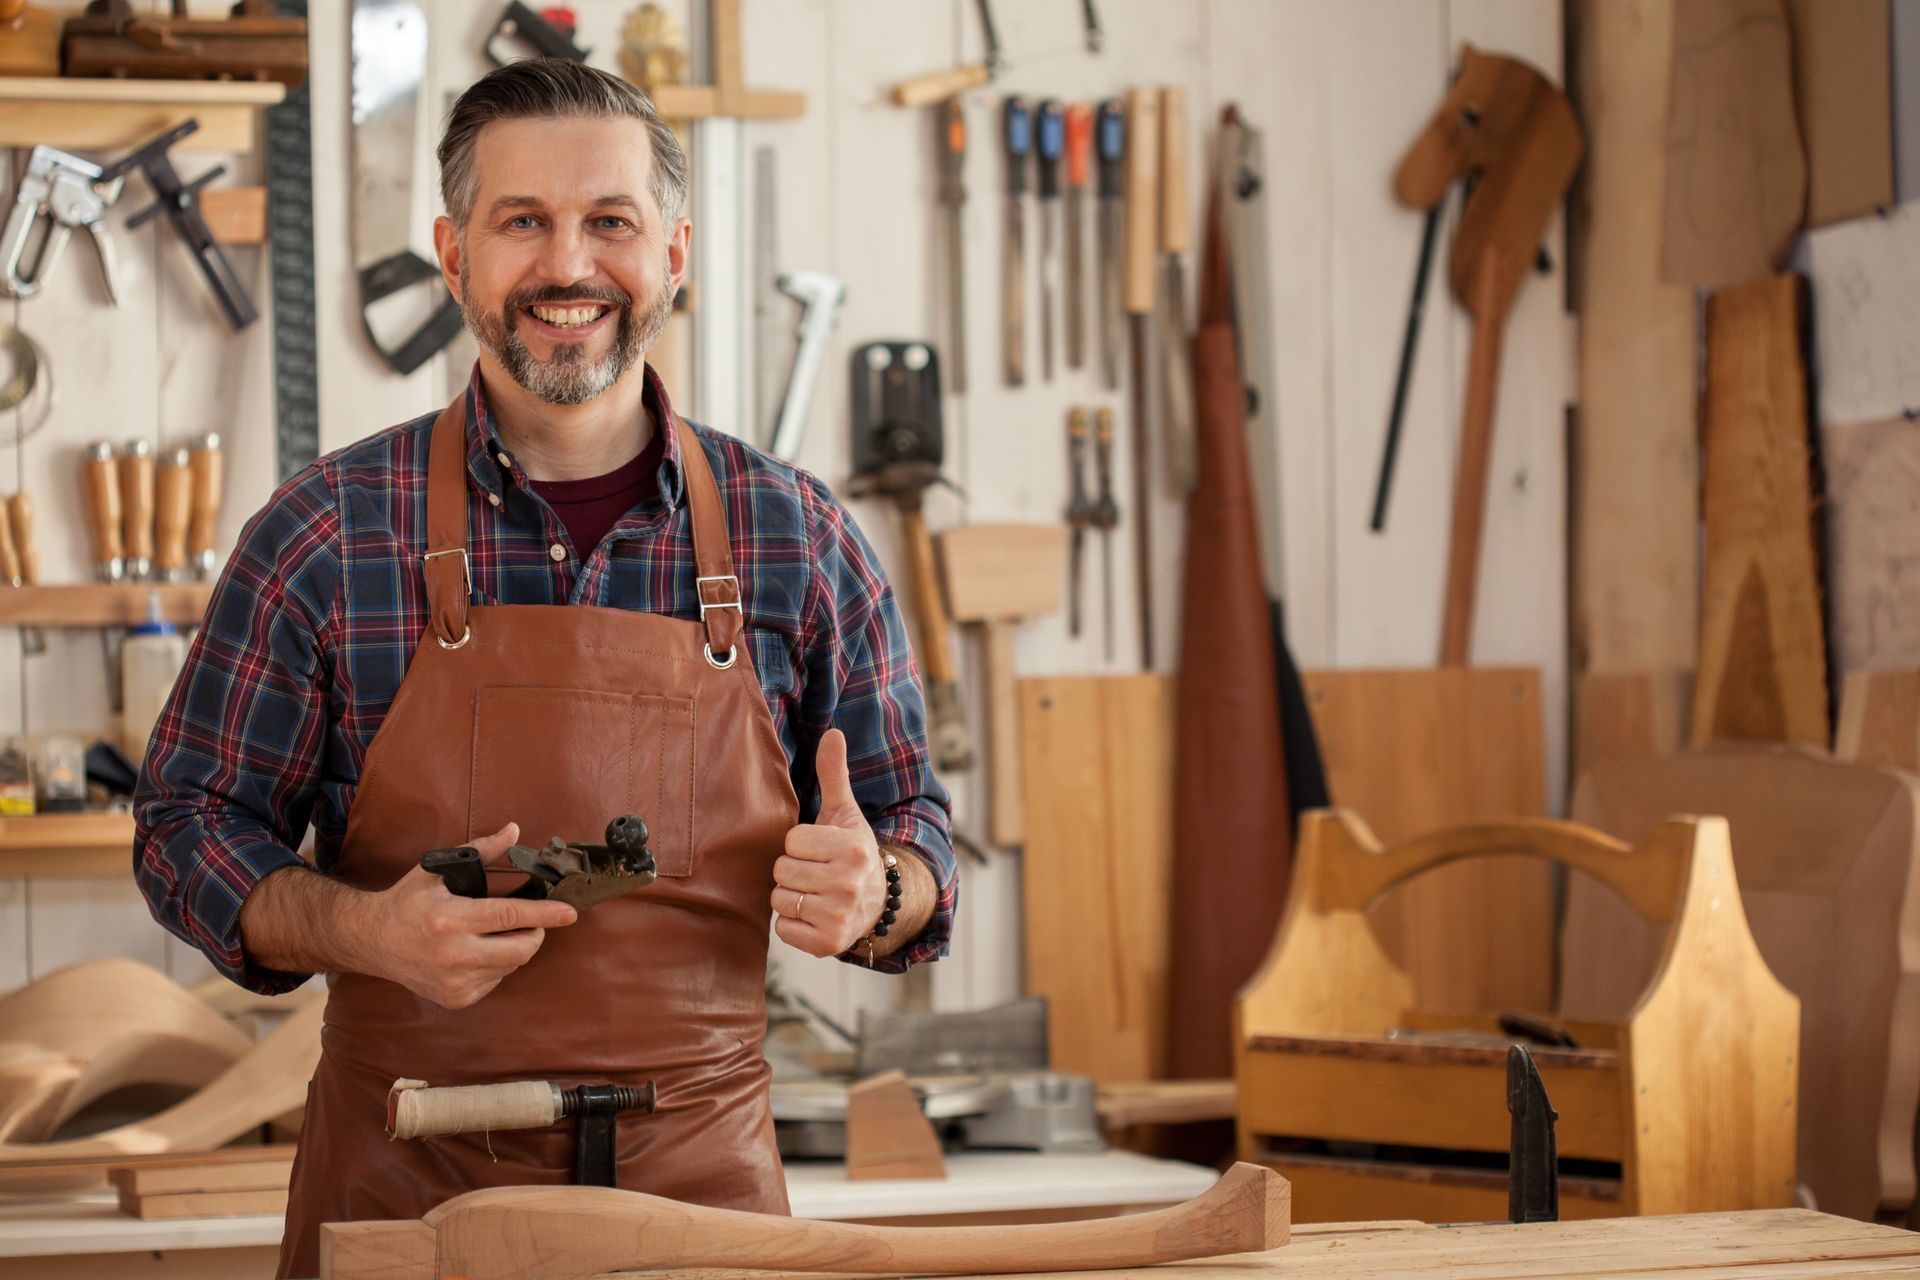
560,717
719,588
449,575
1231,819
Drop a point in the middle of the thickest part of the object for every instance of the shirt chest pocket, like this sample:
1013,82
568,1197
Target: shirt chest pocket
565,762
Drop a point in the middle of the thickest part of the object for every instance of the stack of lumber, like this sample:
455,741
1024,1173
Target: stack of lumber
207,1185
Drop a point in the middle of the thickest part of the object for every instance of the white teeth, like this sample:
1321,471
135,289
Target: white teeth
565,316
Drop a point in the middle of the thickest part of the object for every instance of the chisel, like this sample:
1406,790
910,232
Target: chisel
203,532
1176,350
20,522
953,198
173,496
1110,143
1017,117
9,556
1079,148
1106,516
1051,142
103,510
135,467
1143,226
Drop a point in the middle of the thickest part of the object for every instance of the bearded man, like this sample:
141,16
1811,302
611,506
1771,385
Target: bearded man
551,603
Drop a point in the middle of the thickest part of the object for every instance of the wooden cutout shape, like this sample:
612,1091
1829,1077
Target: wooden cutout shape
1736,171
1872,506
91,1028
1763,655
888,1135
1828,855
728,95
1843,85
1880,719
572,1233
1515,135
270,1080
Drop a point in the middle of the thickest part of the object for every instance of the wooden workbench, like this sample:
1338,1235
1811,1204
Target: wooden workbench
1777,1244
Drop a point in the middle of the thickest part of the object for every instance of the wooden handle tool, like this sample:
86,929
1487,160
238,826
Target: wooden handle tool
576,1232
952,744
208,485
173,494
103,512
936,85
1143,200
135,468
9,555
20,520
1176,347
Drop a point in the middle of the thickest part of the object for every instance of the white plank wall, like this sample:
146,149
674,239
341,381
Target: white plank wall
1339,86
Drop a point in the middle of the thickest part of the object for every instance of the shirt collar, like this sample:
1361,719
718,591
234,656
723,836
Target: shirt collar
491,466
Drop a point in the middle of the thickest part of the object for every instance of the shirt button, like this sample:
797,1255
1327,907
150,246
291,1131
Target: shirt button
557,551
494,498
505,461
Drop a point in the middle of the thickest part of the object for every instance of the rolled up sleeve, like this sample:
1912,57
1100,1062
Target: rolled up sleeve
230,777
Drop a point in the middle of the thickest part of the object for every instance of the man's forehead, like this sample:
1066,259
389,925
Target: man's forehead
563,157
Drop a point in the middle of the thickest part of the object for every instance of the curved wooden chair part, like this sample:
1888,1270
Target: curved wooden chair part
1695,1098
91,1028
269,1080
569,1233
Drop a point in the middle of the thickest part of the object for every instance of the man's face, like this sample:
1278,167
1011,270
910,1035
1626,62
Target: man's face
564,271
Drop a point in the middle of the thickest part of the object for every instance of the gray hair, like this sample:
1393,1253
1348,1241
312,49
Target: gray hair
553,87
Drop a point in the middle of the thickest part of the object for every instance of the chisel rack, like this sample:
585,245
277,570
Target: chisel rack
1374,1109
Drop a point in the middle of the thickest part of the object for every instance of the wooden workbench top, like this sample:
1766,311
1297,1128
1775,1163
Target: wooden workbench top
1778,1244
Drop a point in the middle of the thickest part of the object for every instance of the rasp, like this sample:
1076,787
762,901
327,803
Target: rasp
1176,348
1110,141
1051,141
952,118
1079,152
1017,119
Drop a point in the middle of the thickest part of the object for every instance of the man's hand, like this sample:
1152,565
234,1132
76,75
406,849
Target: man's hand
829,886
454,950
446,949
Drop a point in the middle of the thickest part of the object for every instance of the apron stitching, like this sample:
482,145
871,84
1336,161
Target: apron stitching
693,748
473,764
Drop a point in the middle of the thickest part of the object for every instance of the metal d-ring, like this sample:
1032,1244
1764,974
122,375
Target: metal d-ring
465,635
733,656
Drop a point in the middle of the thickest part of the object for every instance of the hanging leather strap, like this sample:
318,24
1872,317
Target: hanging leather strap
449,575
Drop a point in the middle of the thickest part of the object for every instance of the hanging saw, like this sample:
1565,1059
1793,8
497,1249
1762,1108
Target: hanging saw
397,285
1513,137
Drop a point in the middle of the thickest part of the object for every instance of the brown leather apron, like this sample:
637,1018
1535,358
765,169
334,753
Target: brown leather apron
560,717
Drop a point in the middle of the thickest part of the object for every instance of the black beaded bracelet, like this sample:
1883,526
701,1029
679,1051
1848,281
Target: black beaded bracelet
891,911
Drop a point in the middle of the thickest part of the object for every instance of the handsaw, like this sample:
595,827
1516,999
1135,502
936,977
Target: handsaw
397,285
1514,138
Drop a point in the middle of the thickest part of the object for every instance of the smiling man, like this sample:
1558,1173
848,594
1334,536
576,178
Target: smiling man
550,604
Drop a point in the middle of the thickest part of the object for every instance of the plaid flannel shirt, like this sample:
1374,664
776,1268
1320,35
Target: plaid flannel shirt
317,614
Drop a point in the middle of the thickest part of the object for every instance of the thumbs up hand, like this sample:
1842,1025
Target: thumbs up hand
829,886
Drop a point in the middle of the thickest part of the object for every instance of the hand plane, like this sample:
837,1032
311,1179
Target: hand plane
579,875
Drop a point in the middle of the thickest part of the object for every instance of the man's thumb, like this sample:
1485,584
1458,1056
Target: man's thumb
838,808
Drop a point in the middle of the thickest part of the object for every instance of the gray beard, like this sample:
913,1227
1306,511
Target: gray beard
569,376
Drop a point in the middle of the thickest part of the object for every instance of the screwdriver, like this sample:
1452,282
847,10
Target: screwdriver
953,197
205,505
136,506
103,509
1110,143
1052,141
1079,152
1017,118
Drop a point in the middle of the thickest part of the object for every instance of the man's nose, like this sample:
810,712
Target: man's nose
569,256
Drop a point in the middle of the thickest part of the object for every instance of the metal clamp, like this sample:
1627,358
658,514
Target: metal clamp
69,193
733,604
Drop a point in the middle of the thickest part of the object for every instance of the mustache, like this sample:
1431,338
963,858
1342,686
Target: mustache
557,295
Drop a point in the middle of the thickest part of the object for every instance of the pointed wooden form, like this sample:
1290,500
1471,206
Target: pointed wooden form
570,1233
888,1135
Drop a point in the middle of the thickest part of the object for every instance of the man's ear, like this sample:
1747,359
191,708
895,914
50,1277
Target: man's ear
446,246
679,251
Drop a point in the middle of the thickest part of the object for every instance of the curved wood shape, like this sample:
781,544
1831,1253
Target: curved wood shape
91,1028
270,1080
569,1233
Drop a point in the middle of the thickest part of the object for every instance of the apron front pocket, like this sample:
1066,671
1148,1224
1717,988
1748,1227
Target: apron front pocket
565,762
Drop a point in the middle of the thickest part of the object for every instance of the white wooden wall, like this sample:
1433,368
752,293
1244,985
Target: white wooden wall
1339,86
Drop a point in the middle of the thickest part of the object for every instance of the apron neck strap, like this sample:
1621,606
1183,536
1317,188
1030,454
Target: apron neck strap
450,577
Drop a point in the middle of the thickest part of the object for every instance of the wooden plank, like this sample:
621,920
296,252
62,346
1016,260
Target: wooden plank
236,215
1763,671
33,48
86,1173
888,1135
122,126
1331,1191
1866,293
377,1251
1872,473
205,1204
1826,856
1843,86
1736,170
1098,763
1880,719
268,1171
1413,751
1627,715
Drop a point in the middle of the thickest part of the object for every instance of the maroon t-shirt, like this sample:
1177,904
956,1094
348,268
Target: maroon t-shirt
591,507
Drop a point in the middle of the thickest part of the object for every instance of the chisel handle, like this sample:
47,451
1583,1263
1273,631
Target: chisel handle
103,511
1079,128
1176,221
1143,200
135,468
1052,143
1110,137
953,152
20,521
1017,132
9,555
922,90
173,494
208,483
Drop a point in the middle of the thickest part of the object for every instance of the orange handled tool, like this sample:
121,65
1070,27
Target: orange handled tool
103,512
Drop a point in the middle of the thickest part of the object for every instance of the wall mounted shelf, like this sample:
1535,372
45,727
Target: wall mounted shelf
84,114
90,845
103,604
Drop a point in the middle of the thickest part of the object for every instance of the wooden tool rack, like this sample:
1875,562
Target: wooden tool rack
1691,1095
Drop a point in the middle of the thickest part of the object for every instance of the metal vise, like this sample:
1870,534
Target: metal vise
67,192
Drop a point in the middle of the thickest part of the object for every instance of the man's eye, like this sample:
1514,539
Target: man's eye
523,222
612,222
